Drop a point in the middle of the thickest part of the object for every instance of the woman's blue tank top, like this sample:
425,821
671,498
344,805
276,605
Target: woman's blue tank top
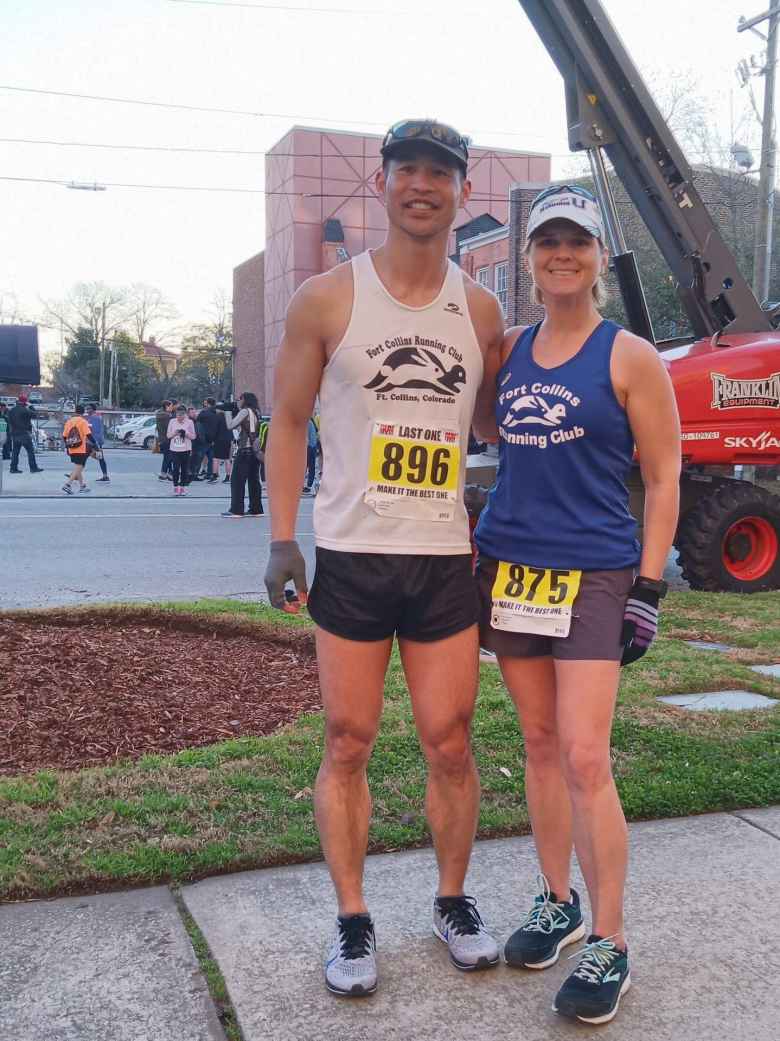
565,448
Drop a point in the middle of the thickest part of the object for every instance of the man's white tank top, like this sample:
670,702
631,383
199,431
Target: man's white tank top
396,403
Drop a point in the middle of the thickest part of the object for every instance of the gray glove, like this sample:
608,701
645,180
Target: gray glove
285,562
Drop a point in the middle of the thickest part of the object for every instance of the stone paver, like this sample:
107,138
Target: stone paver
704,645
268,930
767,670
719,701
116,967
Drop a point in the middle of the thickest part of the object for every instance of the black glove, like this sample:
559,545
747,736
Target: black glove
640,622
284,564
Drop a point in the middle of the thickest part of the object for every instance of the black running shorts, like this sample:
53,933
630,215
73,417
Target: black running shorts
78,458
596,623
370,596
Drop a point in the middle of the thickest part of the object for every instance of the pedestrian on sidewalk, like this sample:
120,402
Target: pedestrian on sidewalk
6,452
390,561
558,556
20,419
209,422
312,449
246,461
95,421
180,434
77,437
223,447
163,418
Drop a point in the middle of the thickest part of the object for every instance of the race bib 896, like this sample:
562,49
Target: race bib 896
413,471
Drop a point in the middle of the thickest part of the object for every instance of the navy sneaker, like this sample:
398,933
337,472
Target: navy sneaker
593,991
549,926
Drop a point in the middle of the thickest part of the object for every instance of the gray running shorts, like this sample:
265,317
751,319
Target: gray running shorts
597,619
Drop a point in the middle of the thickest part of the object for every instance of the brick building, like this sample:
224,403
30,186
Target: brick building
321,209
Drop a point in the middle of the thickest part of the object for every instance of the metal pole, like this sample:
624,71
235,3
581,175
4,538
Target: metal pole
762,256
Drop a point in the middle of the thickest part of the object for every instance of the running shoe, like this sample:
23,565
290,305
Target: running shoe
83,489
593,991
162,477
102,479
350,970
457,922
549,926
228,513
67,489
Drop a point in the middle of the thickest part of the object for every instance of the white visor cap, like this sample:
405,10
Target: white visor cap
566,205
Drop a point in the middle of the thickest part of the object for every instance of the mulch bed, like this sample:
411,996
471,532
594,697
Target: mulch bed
85,688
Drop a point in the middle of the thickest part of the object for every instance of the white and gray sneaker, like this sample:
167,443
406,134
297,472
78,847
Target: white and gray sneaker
457,922
350,969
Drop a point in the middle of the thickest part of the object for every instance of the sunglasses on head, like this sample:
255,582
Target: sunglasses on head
557,189
409,129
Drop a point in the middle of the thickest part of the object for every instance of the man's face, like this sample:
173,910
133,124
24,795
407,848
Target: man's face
422,192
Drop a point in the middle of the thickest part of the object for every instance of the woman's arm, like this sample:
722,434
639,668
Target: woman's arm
655,424
234,421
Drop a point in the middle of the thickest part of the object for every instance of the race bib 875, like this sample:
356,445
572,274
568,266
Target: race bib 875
536,600
413,471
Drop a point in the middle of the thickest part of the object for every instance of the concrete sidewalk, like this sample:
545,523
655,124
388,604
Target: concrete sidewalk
703,924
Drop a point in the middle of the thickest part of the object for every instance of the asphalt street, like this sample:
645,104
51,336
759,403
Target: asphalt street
131,540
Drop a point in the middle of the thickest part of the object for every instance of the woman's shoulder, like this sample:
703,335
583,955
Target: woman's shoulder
511,336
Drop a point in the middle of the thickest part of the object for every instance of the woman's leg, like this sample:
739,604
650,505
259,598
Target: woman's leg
237,483
531,684
586,693
255,490
186,472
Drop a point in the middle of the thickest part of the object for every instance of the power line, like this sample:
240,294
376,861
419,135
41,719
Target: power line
231,111
475,197
279,7
271,154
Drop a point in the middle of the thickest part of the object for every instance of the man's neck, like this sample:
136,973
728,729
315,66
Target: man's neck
412,271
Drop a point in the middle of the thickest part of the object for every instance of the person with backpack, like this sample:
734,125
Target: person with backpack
247,458
79,443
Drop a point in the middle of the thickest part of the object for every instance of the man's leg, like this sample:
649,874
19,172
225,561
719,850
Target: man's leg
352,675
30,447
16,447
442,677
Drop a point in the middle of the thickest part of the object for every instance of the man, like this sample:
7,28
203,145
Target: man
78,443
163,417
393,343
20,419
6,452
312,444
198,445
209,422
95,421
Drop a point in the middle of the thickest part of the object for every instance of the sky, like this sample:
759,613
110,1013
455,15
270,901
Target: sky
347,64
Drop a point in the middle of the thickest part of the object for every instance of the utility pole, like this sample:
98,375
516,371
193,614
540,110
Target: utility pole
762,255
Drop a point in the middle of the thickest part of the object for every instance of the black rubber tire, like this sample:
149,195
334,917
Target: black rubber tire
700,537
149,443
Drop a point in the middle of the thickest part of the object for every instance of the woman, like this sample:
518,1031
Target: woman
180,434
561,606
246,461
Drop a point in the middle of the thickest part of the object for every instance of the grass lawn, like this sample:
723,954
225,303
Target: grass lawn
248,802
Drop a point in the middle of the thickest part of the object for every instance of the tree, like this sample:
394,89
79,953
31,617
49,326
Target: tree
146,308
206,366
92,309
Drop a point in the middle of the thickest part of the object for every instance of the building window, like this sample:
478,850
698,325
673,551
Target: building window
483,276
502,284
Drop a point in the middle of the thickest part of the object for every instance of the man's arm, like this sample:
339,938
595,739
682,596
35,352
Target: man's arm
488,321
655,424
299,366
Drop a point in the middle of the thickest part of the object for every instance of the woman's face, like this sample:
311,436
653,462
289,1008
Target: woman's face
564,260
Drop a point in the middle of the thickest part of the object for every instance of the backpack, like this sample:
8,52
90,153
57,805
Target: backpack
73,440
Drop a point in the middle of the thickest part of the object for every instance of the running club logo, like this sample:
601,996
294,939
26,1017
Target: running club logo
728,393
535,405
417,368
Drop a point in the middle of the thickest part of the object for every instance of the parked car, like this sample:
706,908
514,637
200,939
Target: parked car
145,434
123,431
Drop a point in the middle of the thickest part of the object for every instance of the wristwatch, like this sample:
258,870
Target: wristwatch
655,585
